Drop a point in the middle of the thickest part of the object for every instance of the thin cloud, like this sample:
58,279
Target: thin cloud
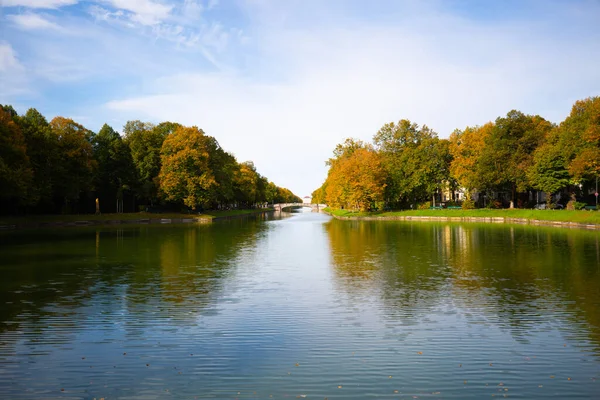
37,3
144,12
32,21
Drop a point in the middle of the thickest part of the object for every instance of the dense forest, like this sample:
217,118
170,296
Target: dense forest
62,167
505,161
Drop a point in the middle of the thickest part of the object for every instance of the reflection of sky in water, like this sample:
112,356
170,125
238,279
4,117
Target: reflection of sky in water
302,305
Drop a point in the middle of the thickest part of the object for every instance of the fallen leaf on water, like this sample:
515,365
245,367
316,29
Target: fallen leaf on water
390,376
419,352
297,364
395,391
568,379
552,376
340,386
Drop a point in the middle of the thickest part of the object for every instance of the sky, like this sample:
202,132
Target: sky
281,82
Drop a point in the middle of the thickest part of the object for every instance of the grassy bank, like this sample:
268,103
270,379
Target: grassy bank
582,217
33,219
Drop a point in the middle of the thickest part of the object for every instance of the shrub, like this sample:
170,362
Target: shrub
575,205
468,204
424,206
494,204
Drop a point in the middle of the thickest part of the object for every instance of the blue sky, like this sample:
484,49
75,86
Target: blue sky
282,82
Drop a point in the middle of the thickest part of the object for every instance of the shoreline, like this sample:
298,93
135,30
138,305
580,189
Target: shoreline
147,219
495,220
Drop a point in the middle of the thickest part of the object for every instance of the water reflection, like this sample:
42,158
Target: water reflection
299,305
521,278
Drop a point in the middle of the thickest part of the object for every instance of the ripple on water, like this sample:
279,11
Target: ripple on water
301,307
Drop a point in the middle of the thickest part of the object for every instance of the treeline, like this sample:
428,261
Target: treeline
62,167
408,165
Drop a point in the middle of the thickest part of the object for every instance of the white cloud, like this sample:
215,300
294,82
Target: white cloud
13,79
37,3
144,12
8,59
32,21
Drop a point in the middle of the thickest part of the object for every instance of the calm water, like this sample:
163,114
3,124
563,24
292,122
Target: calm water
301,306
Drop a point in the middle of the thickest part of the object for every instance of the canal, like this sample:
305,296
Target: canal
300,306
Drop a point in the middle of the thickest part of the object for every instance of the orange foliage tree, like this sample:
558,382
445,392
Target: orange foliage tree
356,178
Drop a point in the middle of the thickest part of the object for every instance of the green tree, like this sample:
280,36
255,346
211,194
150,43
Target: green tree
42,149
16,175
116,171
145,143
508,152
548,172
416,161
76,166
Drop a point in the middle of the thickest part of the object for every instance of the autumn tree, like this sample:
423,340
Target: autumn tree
185,174
356,178
579,139
466,148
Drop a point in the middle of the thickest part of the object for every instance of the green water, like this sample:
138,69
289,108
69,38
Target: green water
300,306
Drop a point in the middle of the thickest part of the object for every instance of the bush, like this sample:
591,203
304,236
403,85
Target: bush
495,204
468,204
424,206
575,205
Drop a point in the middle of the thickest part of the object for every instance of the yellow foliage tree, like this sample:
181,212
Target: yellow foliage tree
185,174
466,148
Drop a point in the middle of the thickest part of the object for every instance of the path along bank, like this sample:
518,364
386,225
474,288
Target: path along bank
49,221
559,218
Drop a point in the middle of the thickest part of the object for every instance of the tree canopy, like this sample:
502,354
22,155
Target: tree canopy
61,166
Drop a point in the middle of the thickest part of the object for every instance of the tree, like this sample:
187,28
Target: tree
145,143
579,139
16,175
42,149
548,172
116,171
76,166
466,148
416,161
356,178
185,174
246,182
508,152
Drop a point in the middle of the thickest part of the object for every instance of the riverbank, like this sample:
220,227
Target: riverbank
44,221
563,218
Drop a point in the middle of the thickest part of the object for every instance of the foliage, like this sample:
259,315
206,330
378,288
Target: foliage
416,161
424,206
75,168
575,205
356,177
468,204
185,174
16,174
63,166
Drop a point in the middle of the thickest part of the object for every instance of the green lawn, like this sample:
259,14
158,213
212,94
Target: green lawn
9,220
585,217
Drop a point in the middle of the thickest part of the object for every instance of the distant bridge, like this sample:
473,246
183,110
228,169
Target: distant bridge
314,207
